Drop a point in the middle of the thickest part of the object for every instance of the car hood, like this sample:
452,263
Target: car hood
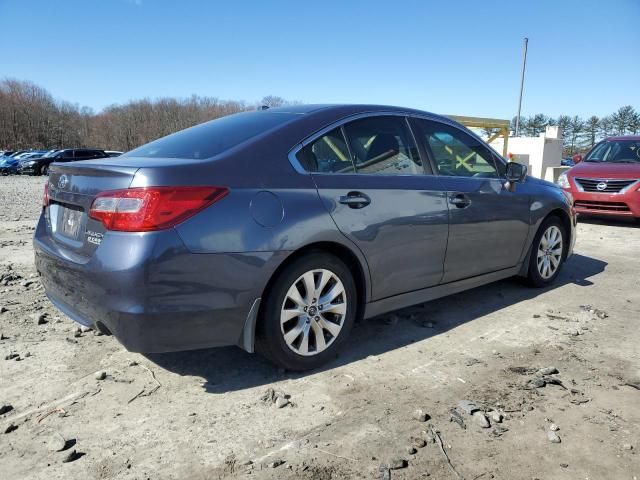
606,170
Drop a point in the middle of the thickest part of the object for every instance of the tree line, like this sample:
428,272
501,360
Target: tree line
581,134
30,118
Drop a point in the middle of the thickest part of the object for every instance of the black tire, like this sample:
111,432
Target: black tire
270,342
534,276
44,170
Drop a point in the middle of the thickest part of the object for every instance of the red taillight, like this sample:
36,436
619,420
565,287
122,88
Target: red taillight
45,198
152,208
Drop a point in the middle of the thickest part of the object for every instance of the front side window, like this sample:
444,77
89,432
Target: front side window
384,146
327,154
457,153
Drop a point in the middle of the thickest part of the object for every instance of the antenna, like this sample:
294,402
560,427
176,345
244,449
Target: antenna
524,65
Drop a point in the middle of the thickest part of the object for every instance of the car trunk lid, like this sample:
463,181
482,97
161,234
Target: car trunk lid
72,189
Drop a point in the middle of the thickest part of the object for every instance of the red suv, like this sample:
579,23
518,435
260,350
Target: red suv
607,180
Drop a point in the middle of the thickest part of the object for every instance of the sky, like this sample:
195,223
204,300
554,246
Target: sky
453,57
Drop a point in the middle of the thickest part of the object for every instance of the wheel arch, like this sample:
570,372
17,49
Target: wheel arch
351,259
341,251
565,219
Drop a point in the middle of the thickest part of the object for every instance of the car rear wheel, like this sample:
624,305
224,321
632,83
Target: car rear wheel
307,313
44,170
547,253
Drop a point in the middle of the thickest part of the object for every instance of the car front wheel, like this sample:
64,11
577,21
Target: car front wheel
308,313
547,253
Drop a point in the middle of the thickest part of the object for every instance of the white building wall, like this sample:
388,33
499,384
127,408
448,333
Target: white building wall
541,154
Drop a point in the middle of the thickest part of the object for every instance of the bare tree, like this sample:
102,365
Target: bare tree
31,118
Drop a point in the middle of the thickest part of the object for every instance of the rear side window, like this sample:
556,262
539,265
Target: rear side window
327,154
214,137
383,145
376,145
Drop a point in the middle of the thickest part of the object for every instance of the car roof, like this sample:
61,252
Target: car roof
623,137
350,109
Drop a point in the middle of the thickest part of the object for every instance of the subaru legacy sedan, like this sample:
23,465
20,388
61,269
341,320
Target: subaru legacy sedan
276,230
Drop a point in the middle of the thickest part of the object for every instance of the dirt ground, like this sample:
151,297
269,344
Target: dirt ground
209,414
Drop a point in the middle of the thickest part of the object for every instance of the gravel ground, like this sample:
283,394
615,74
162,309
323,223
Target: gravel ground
83,407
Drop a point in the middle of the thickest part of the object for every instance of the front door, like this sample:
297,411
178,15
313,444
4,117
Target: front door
488,224
375,189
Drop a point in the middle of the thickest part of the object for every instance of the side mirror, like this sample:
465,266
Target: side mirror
577,158
516,172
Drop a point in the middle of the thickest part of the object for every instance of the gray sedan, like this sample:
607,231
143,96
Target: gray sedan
276,230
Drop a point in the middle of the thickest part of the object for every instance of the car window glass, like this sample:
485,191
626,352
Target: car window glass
383,145
212,138
327,154
68,154
615,151
457,153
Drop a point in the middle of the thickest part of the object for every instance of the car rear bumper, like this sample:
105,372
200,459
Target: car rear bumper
625,204
151,293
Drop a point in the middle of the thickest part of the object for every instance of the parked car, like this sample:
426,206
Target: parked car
276,229
567,162
8,166
31,155
113,153
27,154
18,152
607,181
10,163
40,166
6,153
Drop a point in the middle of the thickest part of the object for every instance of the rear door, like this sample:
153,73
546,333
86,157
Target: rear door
64,156
488,224
82,155
370,177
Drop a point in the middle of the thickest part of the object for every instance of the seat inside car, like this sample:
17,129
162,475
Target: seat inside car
383,145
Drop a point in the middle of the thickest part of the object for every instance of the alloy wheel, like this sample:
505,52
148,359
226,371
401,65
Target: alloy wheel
549,252
313,312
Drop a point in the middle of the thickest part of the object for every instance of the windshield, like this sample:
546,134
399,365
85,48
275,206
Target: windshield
618,151
214,137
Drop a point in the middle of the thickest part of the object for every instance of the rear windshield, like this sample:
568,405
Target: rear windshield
214,137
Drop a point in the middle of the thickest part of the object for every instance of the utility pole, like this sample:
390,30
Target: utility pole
524,65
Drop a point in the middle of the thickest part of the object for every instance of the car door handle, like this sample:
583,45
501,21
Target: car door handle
460,200
355,200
